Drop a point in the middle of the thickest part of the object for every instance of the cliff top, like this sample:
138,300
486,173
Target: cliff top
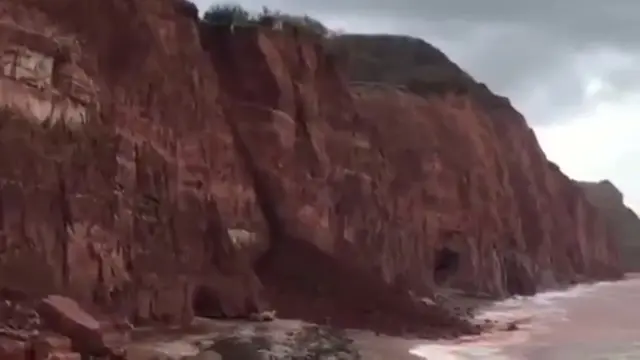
407,62
604,191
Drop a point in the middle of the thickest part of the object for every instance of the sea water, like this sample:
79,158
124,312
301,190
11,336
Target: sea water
594,321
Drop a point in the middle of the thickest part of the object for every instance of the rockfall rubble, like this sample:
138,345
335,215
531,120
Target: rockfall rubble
153,167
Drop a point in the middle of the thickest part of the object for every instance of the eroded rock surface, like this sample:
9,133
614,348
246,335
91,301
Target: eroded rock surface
128,189
501,218
40,78
626,224
153,167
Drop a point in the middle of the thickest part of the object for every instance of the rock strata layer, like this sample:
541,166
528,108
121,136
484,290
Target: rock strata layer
154,167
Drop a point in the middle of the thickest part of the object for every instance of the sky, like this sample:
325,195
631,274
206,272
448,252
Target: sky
572,67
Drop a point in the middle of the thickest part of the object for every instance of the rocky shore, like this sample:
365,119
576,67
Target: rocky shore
61,330
57,328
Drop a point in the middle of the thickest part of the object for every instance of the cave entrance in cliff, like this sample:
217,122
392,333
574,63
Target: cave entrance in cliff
205,303
446,264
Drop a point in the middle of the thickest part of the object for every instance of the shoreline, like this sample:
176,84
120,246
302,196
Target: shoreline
283,338
289,338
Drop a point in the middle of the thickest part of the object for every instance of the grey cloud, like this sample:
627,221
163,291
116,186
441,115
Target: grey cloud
523,49
590,21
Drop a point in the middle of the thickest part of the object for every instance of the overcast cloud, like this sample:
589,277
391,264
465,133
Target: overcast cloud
571,66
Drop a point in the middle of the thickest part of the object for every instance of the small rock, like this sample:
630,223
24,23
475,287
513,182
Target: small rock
428,302
21,335
241,349
46,344
11,349
171,350
206,355
263,316
123,324
65,356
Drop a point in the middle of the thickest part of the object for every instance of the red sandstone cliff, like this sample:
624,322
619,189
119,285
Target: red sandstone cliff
150,165
626,223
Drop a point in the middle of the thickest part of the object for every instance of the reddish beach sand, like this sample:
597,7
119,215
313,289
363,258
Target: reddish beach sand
596,321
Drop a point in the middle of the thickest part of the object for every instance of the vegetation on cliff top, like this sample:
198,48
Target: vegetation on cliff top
401,61
232,14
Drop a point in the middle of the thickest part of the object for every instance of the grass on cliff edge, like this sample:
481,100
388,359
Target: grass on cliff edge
233,14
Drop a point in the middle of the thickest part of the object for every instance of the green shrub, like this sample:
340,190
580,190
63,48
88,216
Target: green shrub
314,25
227,14
304,23
233,14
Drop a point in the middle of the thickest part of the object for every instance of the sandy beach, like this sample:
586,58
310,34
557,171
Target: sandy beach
589,321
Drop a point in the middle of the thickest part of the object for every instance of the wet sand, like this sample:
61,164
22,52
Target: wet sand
602,322
595,321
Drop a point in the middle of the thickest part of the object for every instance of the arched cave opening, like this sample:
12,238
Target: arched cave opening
205,303
446,264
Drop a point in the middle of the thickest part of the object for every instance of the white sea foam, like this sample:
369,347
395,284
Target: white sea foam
594,321
559,315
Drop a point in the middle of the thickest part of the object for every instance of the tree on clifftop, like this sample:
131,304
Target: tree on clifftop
314,25
303,22
226,14
233,14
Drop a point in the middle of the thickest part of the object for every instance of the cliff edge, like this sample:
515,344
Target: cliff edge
157,167
626,224
512,216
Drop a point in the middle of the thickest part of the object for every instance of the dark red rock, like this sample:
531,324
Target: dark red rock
194,168
511,327
48,343
66,317
11,349
445,188
131,211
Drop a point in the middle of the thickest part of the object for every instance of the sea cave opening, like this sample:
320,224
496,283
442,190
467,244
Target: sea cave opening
446,264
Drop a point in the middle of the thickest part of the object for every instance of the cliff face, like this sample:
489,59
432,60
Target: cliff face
626,224
163,166
121,185
519,220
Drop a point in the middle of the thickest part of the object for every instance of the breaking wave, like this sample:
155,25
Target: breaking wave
587,321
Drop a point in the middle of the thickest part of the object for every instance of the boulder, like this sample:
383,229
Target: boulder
63,315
